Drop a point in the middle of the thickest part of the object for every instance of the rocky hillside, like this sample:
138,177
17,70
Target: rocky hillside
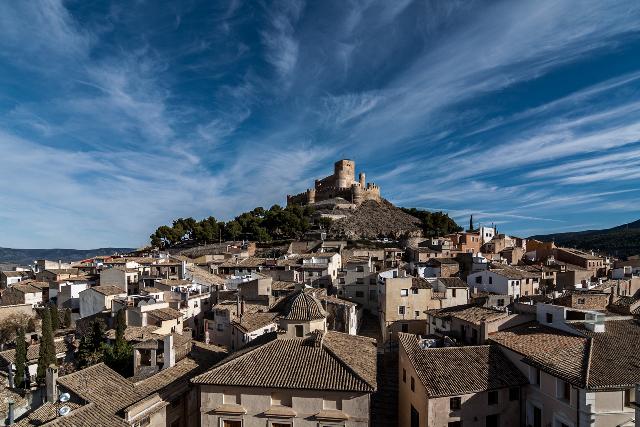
623,240
373,219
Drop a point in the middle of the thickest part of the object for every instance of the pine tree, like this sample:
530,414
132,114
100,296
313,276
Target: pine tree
21,358
55,317
47,355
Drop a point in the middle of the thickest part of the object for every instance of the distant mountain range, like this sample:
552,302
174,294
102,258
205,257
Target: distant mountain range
623,240
10,256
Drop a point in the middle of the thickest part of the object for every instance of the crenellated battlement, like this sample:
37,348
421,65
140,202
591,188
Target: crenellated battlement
342,184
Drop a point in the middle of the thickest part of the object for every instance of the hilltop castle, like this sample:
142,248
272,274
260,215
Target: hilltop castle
341,184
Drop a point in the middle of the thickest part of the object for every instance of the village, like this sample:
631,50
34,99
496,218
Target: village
470,328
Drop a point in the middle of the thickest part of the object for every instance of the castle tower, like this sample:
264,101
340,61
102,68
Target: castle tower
362,180
344,173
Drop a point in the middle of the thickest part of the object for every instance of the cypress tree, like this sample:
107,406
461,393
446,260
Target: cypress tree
119,356
47,355
55,317
471,223
67,318
21,358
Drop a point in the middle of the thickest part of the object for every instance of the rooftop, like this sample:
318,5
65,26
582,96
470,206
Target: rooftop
107,290
469,313
452,371
300,306
322,361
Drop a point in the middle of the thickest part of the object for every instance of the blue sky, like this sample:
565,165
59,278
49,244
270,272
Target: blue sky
116,117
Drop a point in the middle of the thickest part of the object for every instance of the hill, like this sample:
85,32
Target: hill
27,256
622,241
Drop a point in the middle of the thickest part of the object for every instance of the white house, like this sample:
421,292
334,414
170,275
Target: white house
505,281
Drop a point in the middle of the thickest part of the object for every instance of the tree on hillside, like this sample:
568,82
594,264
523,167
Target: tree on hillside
21,359
434,223
47,353
471,223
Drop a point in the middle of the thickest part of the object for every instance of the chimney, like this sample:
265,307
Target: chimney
242,306
11,376
238,307
52,383
169,352
60,264
11,416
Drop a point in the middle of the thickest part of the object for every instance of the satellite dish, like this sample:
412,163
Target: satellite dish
64,411
64,397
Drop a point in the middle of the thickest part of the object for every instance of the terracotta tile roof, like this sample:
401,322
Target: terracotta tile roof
278,285
554,351
250,322
300,306
165,313
329,361
452,371
203,277
9,356
420,283
108,290
251,262
452,282
614,360
44,414
514,273
469,313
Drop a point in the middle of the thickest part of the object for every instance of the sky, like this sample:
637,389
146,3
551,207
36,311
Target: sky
118,117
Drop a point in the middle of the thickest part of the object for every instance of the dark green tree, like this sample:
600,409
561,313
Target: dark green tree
47,353
67,318
119,356
55,317
21,359
90,350
471,223
31,325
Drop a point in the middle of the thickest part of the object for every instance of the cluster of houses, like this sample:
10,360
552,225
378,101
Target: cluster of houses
475,328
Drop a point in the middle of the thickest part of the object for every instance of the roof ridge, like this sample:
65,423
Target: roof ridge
345,365
587,365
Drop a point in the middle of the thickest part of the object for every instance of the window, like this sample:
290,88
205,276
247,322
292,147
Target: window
231,423
414,291
401,309
500,302
490,280
454,424
492,397
416,313
415,417
404,375
359,281
405,327
514,394
478,279
299,330
413,384
492,420
549,318
404,292
534,374
220,327
453,293
359,268
628,398
455,403
359,294
580,300
563,390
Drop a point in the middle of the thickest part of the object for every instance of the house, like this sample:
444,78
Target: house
100,396
27,292
99,298
456,386
582,259
68,295
437,267
358,282
581,372
470,324
403,301
505,280
124,278
64,351
10,278
252,325
324,378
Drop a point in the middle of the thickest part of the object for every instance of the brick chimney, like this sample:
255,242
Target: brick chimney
11,414
51,382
